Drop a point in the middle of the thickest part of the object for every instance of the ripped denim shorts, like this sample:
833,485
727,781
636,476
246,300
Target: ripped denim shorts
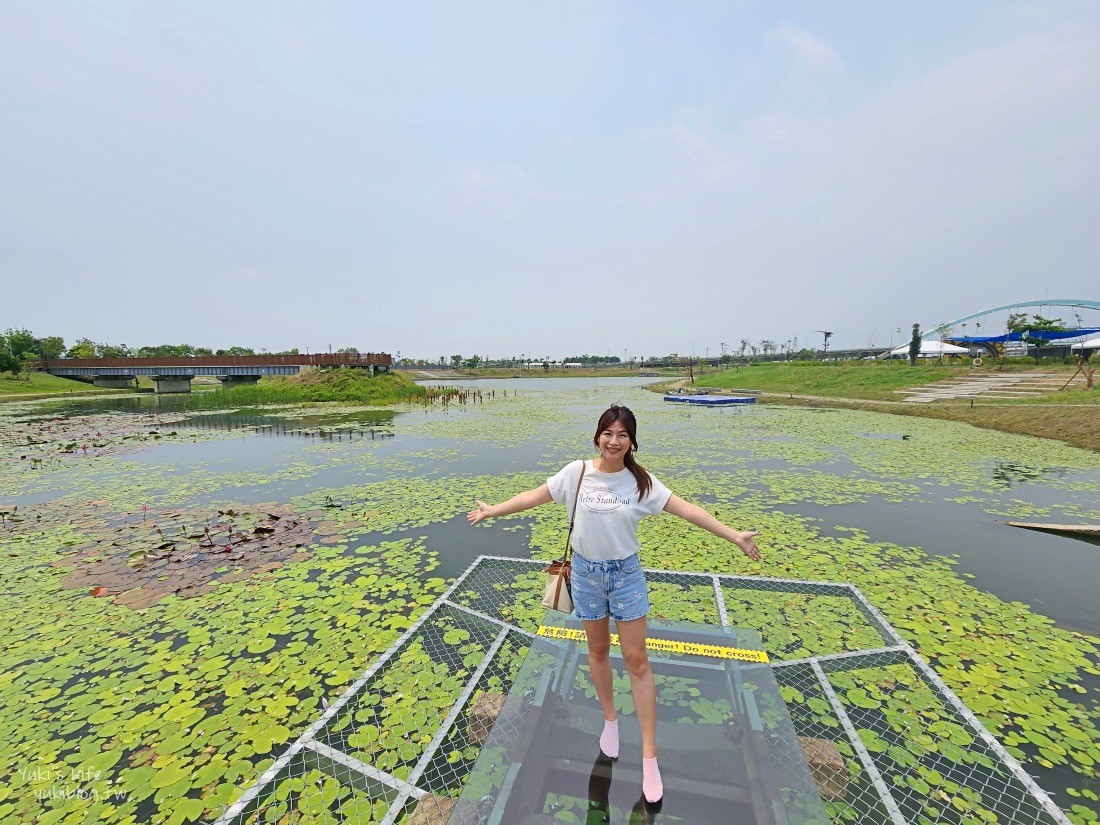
613,588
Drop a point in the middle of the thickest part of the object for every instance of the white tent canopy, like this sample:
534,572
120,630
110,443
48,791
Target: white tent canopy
1093,343
931,348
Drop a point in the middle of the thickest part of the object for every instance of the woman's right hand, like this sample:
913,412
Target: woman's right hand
480,514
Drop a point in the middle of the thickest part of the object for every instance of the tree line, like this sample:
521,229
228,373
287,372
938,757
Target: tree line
21,346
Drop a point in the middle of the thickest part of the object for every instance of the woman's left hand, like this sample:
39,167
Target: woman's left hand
478,515
746,541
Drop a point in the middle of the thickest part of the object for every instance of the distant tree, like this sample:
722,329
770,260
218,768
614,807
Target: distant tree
83,348
767,346
1050,324
165,351
9,363
593,359
472,362
53,346
725,359
1019,322
291,351
21,344
113,351
914,345
943,332
1041,324
344,351
546,366
236,351
456,361
744,346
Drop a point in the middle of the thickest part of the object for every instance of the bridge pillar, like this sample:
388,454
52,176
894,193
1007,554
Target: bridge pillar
114,382
230,381
172,383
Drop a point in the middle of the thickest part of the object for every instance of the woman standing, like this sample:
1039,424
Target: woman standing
614,494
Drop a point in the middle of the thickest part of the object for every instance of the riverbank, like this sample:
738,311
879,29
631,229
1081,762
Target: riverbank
43,385
1071,416
875,380
1072,424
343,385
428,374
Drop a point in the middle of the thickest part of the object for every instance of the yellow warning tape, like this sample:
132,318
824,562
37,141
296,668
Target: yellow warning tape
667,645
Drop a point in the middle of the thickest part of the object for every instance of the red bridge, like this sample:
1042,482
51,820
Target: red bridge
174,374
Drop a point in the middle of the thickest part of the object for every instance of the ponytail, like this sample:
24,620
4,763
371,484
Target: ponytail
640,473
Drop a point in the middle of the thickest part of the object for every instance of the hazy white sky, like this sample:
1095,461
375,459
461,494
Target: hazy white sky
550,179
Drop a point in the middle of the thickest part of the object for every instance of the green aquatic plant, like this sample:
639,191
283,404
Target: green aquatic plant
182,705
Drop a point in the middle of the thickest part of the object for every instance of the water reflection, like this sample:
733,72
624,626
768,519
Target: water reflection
375,425
1009,474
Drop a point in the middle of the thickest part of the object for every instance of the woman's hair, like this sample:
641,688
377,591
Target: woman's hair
623,415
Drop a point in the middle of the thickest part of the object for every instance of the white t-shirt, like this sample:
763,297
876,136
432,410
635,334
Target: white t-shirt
606,526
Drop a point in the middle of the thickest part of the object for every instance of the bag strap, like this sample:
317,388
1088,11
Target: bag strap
573,517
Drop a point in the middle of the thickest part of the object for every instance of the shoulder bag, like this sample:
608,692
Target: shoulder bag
559,584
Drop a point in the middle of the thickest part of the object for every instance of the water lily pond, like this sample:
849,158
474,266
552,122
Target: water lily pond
183,591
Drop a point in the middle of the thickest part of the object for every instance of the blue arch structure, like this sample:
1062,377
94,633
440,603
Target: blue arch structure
990,342
1058,302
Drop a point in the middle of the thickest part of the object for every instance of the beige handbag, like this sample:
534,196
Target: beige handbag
559,584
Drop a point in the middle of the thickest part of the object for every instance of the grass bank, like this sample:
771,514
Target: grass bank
44,385
873,380
1076,425
1071,416
344,385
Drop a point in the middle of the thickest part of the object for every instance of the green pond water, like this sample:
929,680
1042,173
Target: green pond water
164,713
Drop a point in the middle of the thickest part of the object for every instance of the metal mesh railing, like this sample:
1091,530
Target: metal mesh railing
885,739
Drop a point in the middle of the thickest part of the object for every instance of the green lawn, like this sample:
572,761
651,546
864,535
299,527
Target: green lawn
42,383
1064,397
871,380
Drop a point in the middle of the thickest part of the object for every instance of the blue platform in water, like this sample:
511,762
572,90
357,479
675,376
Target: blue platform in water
712,400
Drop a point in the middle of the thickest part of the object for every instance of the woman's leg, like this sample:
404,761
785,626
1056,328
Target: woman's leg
599,646
632,638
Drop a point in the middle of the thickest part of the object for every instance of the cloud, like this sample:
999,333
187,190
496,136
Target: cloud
806,47
975,180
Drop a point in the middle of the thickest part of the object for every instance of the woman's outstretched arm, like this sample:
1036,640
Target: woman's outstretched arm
516,504
696,515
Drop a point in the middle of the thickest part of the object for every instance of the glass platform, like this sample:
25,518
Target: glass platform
483,711
728,749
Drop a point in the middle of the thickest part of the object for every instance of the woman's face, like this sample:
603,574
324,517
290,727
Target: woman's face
615,441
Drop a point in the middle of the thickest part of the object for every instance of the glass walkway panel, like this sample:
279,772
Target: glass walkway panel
483,712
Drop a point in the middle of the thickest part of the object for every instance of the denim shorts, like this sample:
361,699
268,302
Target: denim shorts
613,588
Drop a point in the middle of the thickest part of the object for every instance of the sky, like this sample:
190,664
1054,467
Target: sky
546,179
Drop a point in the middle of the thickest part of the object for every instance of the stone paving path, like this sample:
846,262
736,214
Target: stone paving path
992,386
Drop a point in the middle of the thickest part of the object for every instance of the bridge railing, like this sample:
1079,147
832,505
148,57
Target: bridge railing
378,359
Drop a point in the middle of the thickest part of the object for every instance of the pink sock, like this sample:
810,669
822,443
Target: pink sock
652,786
609,739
